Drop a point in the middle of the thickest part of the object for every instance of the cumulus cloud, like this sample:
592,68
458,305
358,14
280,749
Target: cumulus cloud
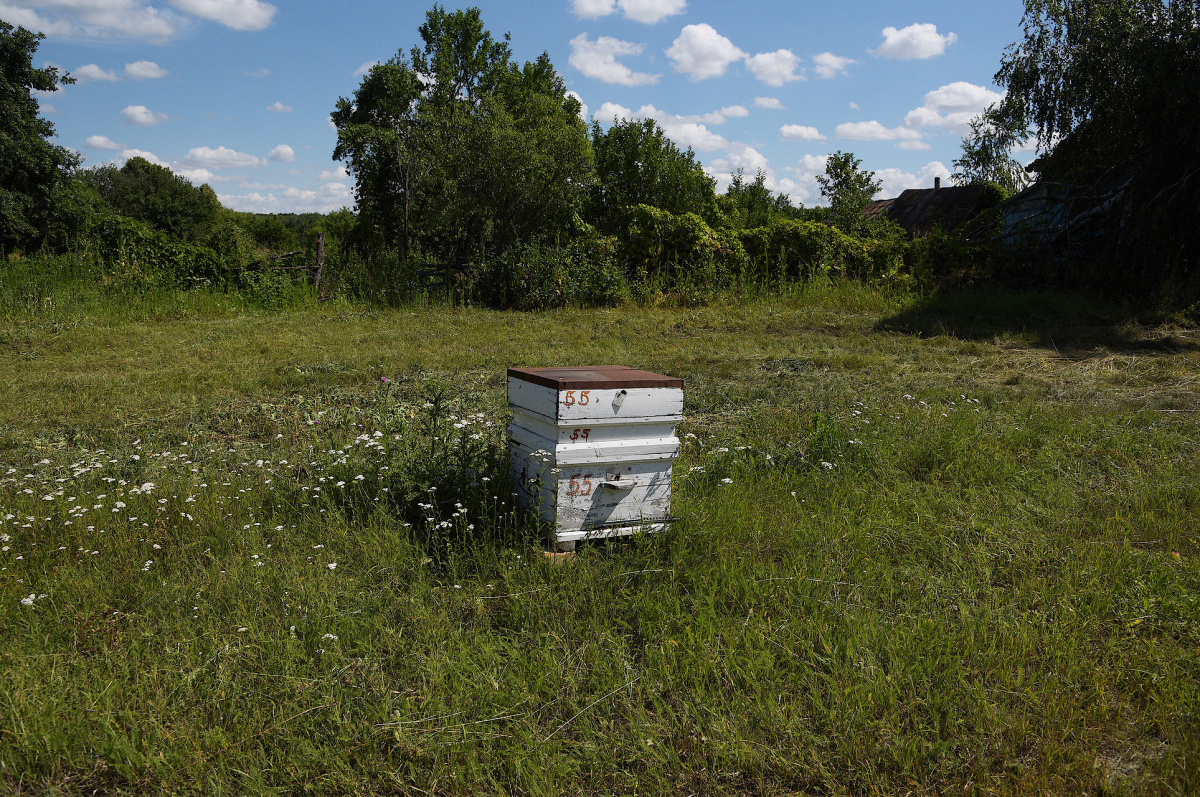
952,107
338,173
90,72
701,53
828,65
144,70
914,42
328,197
197,176
913,143
365,68
129,154
686,131
219,158
282,154
775,68
583,108
768,102
800,133
103,142
235,14
279,107
593,9
648,11
94,18
598,60
873,131
142,116
804,187
651,11
897,181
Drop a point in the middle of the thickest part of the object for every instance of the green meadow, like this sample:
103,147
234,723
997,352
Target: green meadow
926,545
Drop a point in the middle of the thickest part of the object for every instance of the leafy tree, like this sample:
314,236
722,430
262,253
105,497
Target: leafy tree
457,150
987,151
849,189
157,196
747,205
636,164
1110,86
32,168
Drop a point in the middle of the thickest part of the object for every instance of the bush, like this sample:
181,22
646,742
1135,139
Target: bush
537,276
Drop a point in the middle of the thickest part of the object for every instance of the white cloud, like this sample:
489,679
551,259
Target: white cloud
583,108
90,72
256,73
197,176
896,181
768,102
739,156
91,18
873,131
598,60
854,105
952,107
686,131
142,116
800,133
279,107
31,20
365,68
651,11
291,200
775,68
219,158
914,42
144,70
236,14
701,53
828,65
914,143
129,154
338,173
103,142
805,188
46,107
734,111
282,154
593,9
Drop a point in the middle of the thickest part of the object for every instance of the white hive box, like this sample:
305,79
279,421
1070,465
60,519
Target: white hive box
591,448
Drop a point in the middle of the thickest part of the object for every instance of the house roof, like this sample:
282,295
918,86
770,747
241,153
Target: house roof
919,210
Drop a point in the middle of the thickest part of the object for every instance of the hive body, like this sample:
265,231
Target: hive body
592,448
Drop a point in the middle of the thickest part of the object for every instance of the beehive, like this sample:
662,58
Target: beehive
591,448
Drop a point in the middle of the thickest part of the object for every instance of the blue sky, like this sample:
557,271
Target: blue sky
237,93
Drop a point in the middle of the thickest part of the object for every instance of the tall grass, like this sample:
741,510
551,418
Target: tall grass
918,552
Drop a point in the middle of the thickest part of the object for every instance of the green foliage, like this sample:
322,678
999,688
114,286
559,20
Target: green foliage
746,205
987,151
538,277
848,189
787,250
458,151
636,164
157,197
1110,87
674,251
32,169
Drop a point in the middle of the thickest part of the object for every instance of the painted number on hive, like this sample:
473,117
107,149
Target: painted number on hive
570,400
580,434
580,485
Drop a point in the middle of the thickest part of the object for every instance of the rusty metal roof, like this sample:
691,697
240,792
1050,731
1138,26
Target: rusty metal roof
878,209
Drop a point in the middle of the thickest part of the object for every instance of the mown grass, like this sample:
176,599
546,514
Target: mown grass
924,546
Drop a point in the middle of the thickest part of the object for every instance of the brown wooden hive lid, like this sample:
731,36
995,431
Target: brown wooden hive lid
595,377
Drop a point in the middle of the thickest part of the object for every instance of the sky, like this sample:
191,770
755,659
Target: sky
237,93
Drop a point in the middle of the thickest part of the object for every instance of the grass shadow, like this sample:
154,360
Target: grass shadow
1075,326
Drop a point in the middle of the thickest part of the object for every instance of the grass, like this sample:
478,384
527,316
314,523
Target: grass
926,545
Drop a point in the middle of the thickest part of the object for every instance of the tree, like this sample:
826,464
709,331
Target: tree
456,150
636,164
32,168
849,190
156,196
987,151
747,205
1110,86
